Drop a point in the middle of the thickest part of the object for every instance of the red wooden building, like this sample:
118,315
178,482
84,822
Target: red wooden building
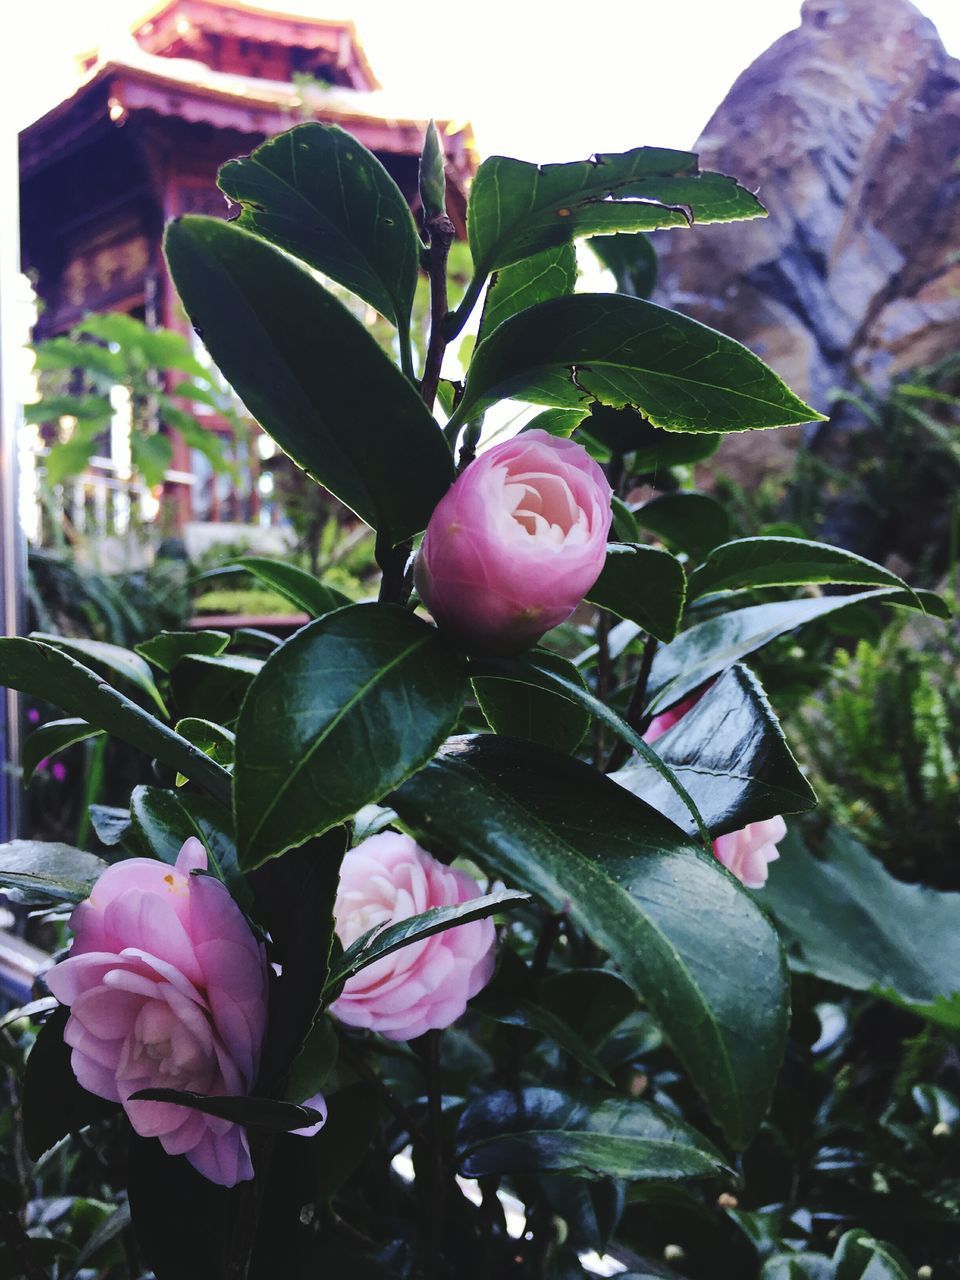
140,142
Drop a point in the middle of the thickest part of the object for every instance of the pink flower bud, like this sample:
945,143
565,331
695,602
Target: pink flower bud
516,542
167,987
426,985
747,853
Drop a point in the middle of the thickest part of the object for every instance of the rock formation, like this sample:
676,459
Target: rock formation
849,129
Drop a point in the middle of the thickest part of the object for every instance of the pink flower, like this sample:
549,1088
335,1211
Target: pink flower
58,770
167,987
659,725
516,542
426,985
748,852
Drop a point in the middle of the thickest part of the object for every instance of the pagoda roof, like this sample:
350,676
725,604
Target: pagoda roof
134,81
170,23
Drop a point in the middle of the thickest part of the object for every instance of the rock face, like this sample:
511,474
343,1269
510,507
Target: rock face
849,129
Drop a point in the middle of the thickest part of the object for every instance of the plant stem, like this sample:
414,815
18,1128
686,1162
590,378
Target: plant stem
457,319
434,1198
634,714
604,675
361,1068
392,561
549,934
441,232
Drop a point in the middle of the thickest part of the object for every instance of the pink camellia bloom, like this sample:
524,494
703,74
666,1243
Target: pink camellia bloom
747,853
516,542
425,986
167,988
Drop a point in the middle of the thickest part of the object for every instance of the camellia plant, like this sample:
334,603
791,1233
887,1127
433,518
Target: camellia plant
376,967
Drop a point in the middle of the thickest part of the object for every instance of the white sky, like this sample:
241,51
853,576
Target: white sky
539,79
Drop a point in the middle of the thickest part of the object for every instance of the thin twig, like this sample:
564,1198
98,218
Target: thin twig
360,1067
392,561
442,233
433,1202
634,714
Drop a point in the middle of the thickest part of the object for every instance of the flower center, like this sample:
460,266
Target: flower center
543,506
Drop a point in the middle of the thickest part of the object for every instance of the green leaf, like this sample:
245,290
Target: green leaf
632,259
253,1113
92,409
213,688
318,193
558,422
653,449
550,274
730,753
54,1104
628,878
294,584
297,357
798,1266
70,458
382,941
622,351
517,209
594,1001
111,661
50,739
644,584
151,456
161,822
111,824
712,646
847,920
861,1257
778,562
311,1067
48,870
534,1130
213,739
539,715
340,714
165,650
531,669
693,523
45,672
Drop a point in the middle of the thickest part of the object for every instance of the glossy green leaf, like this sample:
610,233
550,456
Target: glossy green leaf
594,1001
318,193
50,739
382,940
296,357
550,274
253,1113
294,584
690,522
212,739
340,714
632,259
213,688
585,1135
847,920
109,660
540,715
730,753
558,422
161,821
794,1266
712,646
311,1067
53,1102
110,823
622,351
860,1256
623,527
48,870
44,672
165,650
653,449
517,209
644,584
627,877
532,669
777,562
